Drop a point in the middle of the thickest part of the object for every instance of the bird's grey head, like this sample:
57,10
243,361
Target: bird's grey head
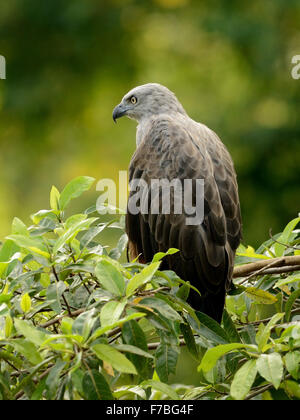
147,100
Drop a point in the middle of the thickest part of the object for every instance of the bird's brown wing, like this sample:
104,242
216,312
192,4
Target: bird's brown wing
170,150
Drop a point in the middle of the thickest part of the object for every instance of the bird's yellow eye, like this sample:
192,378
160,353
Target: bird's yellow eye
133,100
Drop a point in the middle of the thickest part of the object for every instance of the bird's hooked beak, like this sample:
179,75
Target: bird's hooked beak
119,111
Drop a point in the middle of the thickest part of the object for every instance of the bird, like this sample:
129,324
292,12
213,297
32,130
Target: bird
172,146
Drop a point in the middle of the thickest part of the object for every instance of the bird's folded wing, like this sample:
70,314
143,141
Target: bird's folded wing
171,150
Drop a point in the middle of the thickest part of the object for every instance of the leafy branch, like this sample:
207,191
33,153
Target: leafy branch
75,321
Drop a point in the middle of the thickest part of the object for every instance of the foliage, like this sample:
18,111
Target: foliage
70,62
76,323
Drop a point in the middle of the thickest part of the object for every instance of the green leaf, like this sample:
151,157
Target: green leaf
213,355
110,277
114,357
83,324
40,215
260,296
142,278
243,380
54,199
279,248
292,388
8,249
90,235
290,279
162,307
53,379
166,360
160,255
134,336
37,395
292,363
111,312
95,387
27,349
66,325
103,330
19,228
74,220
249,252
210,329
289,304
54,294
184,291
45,280
8,326
134,350
31,333
129,392
230,329
35,245
189,339
116,253
270,367
161,387
74,190
5,297
25,303
8,256
264,332
72,232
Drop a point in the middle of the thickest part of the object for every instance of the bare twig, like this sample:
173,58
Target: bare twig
79,274
67,304
152,292
282,270
59,318
256,268
263,389
55,273
260,271
153,346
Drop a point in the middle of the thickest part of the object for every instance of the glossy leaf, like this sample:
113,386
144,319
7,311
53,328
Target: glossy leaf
260,296
162,307
270,367
95,386
114,357
166,361
161,387
283,239
31,333
111,312
25,303
110,277
292,363
243,380
142,278
213,355
54,198
74,189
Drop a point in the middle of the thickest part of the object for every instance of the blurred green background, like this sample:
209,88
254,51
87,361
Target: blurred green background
70,62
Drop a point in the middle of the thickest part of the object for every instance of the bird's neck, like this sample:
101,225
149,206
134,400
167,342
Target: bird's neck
142,129
145,124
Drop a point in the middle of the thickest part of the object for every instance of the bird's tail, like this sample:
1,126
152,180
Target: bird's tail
210,304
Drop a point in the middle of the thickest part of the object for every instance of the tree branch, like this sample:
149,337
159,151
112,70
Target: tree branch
259,267
59,318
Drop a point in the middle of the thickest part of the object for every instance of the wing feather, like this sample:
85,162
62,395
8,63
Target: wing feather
187,150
